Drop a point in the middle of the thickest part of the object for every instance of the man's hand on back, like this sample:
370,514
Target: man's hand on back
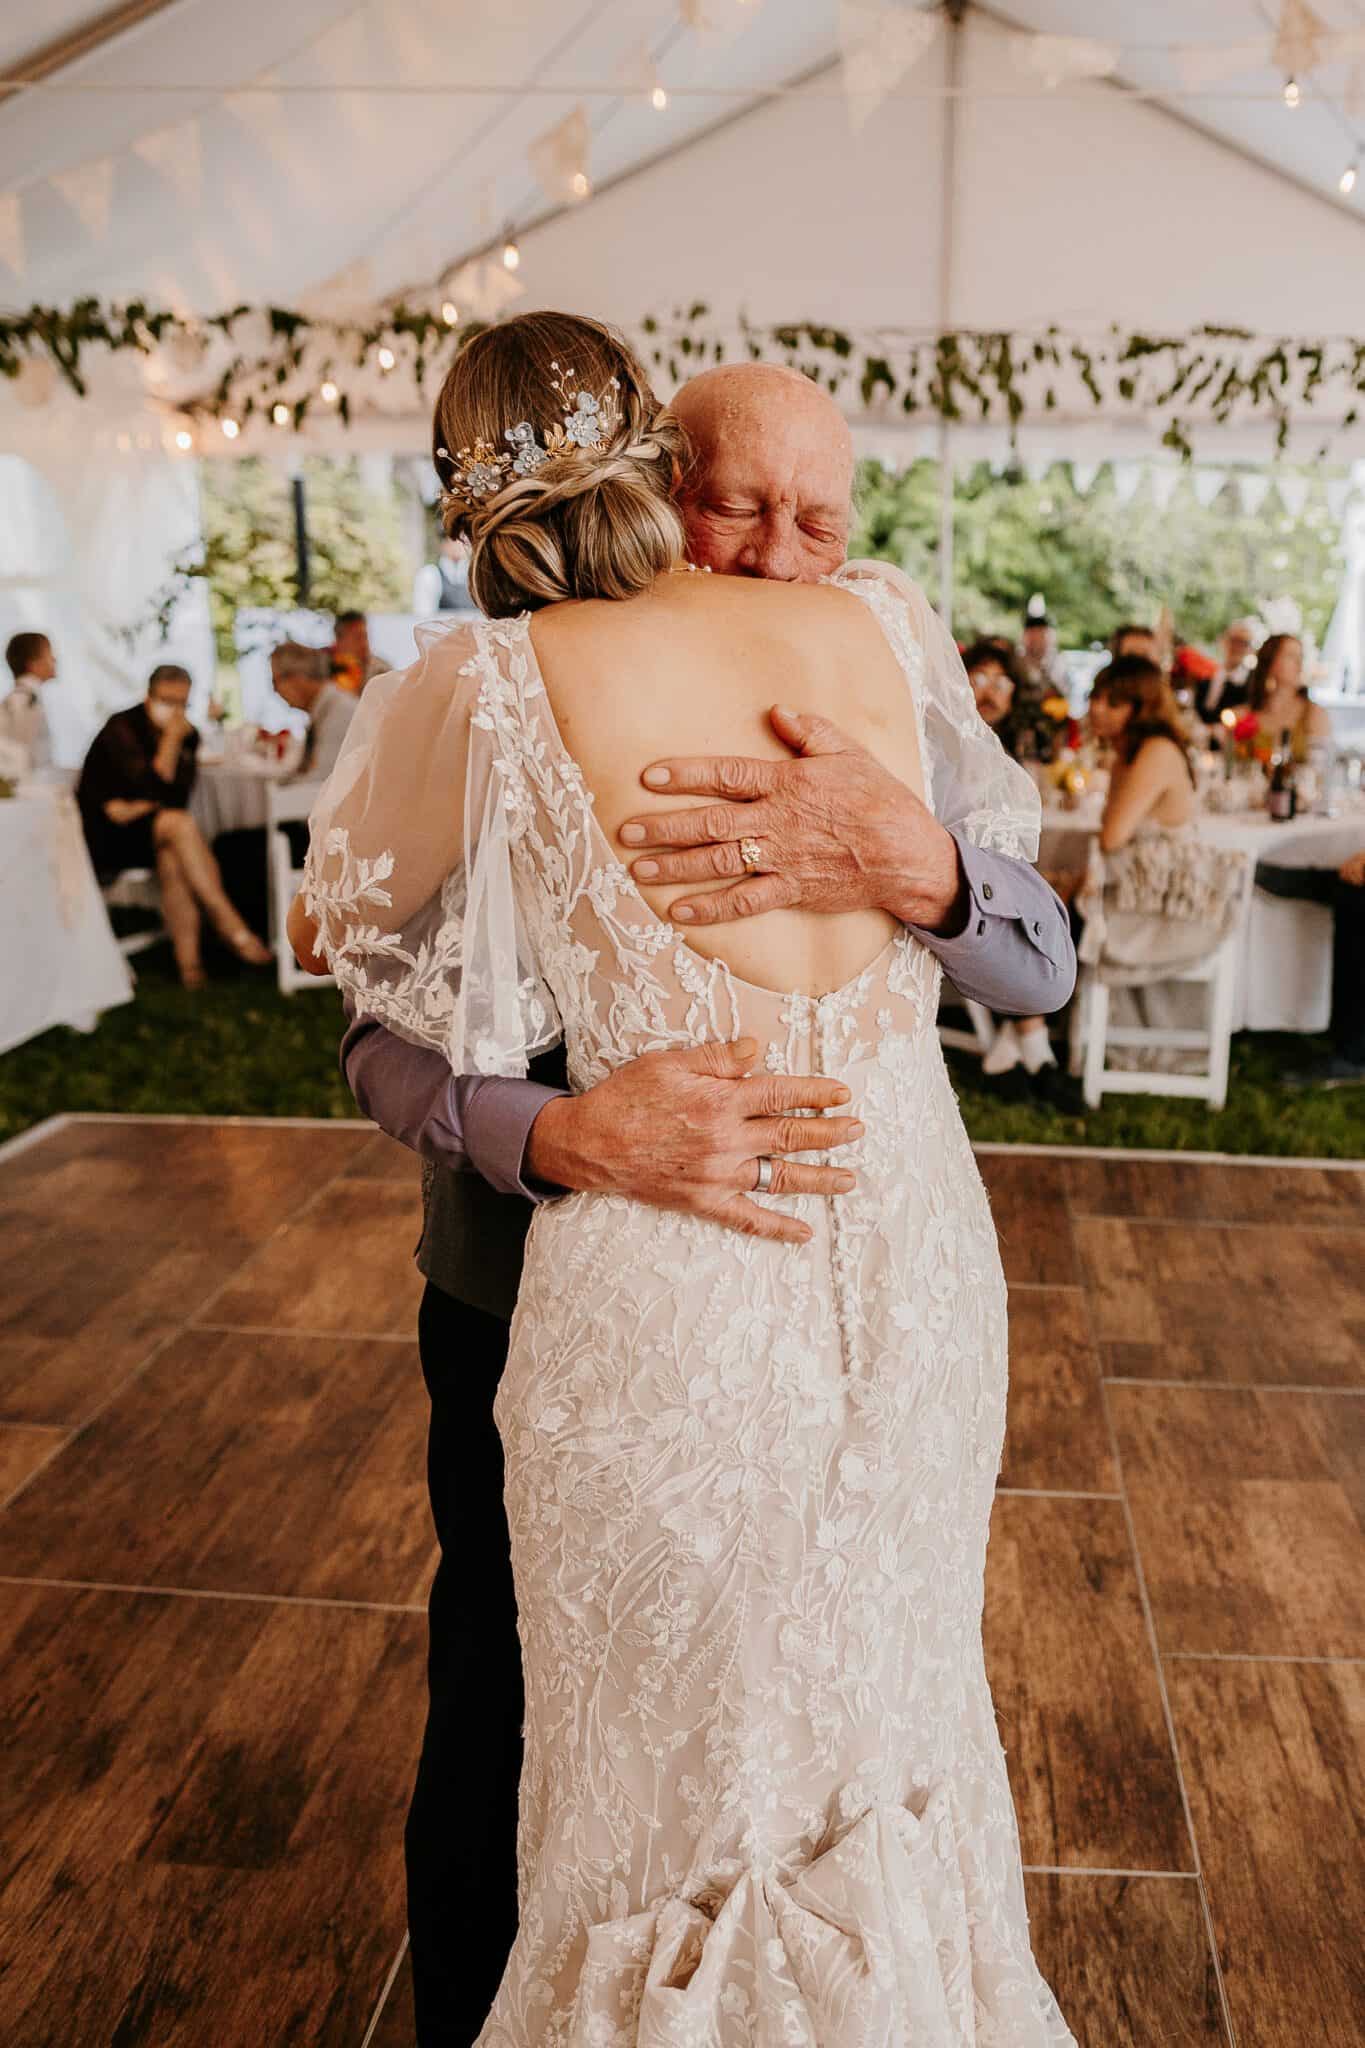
684,1130
835,831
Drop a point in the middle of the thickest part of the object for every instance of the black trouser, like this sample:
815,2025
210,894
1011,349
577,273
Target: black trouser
462,1825
1347,902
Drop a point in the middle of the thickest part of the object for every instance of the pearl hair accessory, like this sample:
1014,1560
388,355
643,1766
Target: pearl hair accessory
587,423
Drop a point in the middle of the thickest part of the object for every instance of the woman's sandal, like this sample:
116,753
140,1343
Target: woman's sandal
248,947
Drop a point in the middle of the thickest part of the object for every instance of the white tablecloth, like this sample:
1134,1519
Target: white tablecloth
231,798
59,963
1285,977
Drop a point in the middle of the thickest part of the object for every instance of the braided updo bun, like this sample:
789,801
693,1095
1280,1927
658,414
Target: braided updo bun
588,521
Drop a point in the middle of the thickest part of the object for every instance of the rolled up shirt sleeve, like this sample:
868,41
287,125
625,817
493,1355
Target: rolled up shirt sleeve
467,1123
1015,953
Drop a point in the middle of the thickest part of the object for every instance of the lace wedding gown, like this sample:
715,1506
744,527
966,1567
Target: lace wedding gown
763,1800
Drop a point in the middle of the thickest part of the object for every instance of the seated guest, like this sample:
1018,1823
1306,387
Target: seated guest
353,664
1343,891
1152,784
303,676
1228,688
133,792
1039,671
1280,699
22,717
1132,639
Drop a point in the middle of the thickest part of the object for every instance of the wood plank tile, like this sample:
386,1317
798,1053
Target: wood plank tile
80,1308
235,1180
385,1159
1215,1192
1274,1762
203,1817
1128,1959
1057,1435
344,1265
1261,1304
398,2022
239,1463
1250,1517
1028,1200
22,1451
1076,1692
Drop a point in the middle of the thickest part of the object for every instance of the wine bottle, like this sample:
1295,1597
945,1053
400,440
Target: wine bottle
1283,794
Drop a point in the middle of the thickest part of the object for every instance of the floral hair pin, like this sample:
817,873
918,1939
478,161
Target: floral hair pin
587,423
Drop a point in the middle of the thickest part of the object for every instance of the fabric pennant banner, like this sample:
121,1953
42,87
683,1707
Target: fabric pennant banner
560,158
880,42
1293,492
1299,39
1127,478
174,154
1057,60
12,232
1255,489
1207,484
1165,477
1083,475
483,290
87,190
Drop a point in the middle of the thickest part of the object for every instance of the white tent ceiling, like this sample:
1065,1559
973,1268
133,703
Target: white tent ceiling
394,134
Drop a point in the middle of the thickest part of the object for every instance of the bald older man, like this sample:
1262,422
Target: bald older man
768,495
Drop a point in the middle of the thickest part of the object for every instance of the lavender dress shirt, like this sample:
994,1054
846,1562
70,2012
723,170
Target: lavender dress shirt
1014,954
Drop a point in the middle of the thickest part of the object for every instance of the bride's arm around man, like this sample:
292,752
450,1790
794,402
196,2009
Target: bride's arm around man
769,495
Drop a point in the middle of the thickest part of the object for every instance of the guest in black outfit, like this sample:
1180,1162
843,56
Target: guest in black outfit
1343,891
133,793
1229,687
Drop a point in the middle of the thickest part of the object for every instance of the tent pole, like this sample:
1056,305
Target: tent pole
954,10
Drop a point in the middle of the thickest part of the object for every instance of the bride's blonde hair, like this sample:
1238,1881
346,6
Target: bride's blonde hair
588,521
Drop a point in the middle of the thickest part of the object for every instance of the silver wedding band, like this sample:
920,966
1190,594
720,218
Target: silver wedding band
751,853
765,1175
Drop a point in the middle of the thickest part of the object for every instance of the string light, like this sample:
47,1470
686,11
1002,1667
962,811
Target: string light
279,412
386,358
1292,93
658,99
1347,181
328,393
582,184
511,254
450,313
231,427
184,439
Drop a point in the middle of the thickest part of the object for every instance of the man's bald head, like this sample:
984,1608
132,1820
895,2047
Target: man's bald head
771,483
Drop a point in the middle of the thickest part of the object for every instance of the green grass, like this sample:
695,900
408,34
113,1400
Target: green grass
242,1049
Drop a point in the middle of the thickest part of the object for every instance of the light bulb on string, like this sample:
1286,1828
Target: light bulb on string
184,440
1346,183
1292,92
385,358
582,185
658,99
328,392
279,412
511,254
231,427
450,313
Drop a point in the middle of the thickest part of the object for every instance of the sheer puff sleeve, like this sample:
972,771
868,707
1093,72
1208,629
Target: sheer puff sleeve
977,789
409,874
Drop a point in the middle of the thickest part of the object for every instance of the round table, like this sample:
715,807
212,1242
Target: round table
1284,981
232,796
62,962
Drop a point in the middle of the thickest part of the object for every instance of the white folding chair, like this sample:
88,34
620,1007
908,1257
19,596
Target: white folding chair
287,803
1092,1035
136,889
980,1038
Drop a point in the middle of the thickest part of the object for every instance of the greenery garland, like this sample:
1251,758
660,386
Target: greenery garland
283,361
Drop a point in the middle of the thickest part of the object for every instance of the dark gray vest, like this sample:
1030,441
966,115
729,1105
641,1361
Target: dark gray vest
473,1239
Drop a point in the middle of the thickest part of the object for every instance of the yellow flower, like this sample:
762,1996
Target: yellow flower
1057,708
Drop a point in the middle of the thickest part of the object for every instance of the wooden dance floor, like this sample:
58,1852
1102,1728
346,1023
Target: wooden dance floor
215,1548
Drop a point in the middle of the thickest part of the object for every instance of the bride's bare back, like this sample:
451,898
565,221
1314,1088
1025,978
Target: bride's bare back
693,667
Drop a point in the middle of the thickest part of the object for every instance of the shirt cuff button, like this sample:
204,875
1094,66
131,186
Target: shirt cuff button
987,891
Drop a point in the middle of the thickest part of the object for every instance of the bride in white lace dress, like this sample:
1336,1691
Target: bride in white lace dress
749,1483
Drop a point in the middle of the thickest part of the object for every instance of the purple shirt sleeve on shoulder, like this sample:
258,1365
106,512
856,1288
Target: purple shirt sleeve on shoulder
468,1123
1015,953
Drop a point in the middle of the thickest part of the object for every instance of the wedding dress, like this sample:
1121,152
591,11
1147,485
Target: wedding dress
763,1799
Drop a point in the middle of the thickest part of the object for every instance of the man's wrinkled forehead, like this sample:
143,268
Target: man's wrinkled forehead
776,431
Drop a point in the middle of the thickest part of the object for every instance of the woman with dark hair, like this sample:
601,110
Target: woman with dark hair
1279,697
1133,708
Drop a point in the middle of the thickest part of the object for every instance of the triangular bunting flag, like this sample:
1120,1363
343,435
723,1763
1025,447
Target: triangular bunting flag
1083,475
173,153
1127,477
1059,59
1299,39
483,290
1207,484
12,232
880,42
1338,496
87,190
260,110
1293,492
1165,477
1255,489
560,157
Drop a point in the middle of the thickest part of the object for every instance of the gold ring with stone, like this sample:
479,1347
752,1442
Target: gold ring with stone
751,853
